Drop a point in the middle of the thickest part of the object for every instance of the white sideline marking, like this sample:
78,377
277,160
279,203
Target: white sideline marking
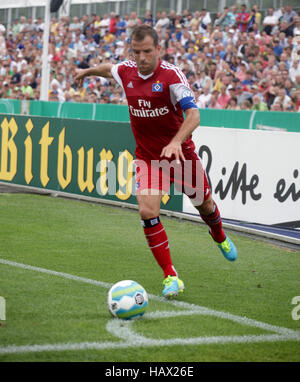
54,273
123,329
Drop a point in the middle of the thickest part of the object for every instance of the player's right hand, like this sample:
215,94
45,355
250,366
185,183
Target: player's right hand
79,76
173,149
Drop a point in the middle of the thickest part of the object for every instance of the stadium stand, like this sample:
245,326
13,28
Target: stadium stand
237,59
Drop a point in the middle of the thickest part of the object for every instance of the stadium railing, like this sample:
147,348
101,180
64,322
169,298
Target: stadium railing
244,119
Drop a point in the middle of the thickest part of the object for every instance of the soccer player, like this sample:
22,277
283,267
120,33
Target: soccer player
158,94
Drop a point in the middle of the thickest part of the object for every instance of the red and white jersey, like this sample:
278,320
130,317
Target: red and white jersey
154,103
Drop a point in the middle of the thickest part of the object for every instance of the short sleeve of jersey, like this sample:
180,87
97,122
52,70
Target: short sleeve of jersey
115,73
120,71
184,95
180,90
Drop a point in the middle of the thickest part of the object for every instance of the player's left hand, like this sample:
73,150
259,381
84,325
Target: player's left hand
79,76
173,148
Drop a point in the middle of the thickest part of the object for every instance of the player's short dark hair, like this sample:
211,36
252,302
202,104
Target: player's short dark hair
141,31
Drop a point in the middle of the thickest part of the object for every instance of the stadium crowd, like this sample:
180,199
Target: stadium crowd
238,60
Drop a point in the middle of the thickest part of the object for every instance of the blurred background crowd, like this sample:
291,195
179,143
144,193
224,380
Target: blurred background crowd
240,59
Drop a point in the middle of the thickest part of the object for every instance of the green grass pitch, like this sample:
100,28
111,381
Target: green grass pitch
63,316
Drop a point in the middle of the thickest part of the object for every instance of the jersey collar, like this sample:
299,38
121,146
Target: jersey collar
145,77
151,74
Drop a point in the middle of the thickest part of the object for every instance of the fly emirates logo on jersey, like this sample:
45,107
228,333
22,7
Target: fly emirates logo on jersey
145,110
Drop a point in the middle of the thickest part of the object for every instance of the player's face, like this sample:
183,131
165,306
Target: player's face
146,55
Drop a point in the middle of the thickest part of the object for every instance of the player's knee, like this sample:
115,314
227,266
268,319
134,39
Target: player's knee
147,212
206,207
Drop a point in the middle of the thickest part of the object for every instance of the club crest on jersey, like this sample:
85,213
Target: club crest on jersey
157,87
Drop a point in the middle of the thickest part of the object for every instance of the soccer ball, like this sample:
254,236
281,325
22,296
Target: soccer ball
127,299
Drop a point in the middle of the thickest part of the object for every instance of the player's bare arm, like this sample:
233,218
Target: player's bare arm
102,70
190,123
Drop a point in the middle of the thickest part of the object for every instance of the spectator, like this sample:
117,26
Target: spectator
294,70
289,17
53,26
293,104
96,27
242,19
248,78
258,15
234,15
204,98
195,21
57,92
213,103
2,29
172,18
252,20
148,19
108,38
276,107
223,98
242,72
295,54
15,28
205,21
15,75
258,104
277,48
255,90
132,23
26,89
231,91
279,13
112,23
296,30
102,25
246,105
120,25
3,49
242,95
75,25
288,85
186,18
270,21
204,79
282,98
7,92
232,104
283,28
163,24
226,19
295,96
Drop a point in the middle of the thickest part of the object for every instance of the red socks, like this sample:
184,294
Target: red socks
159,245
214,221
